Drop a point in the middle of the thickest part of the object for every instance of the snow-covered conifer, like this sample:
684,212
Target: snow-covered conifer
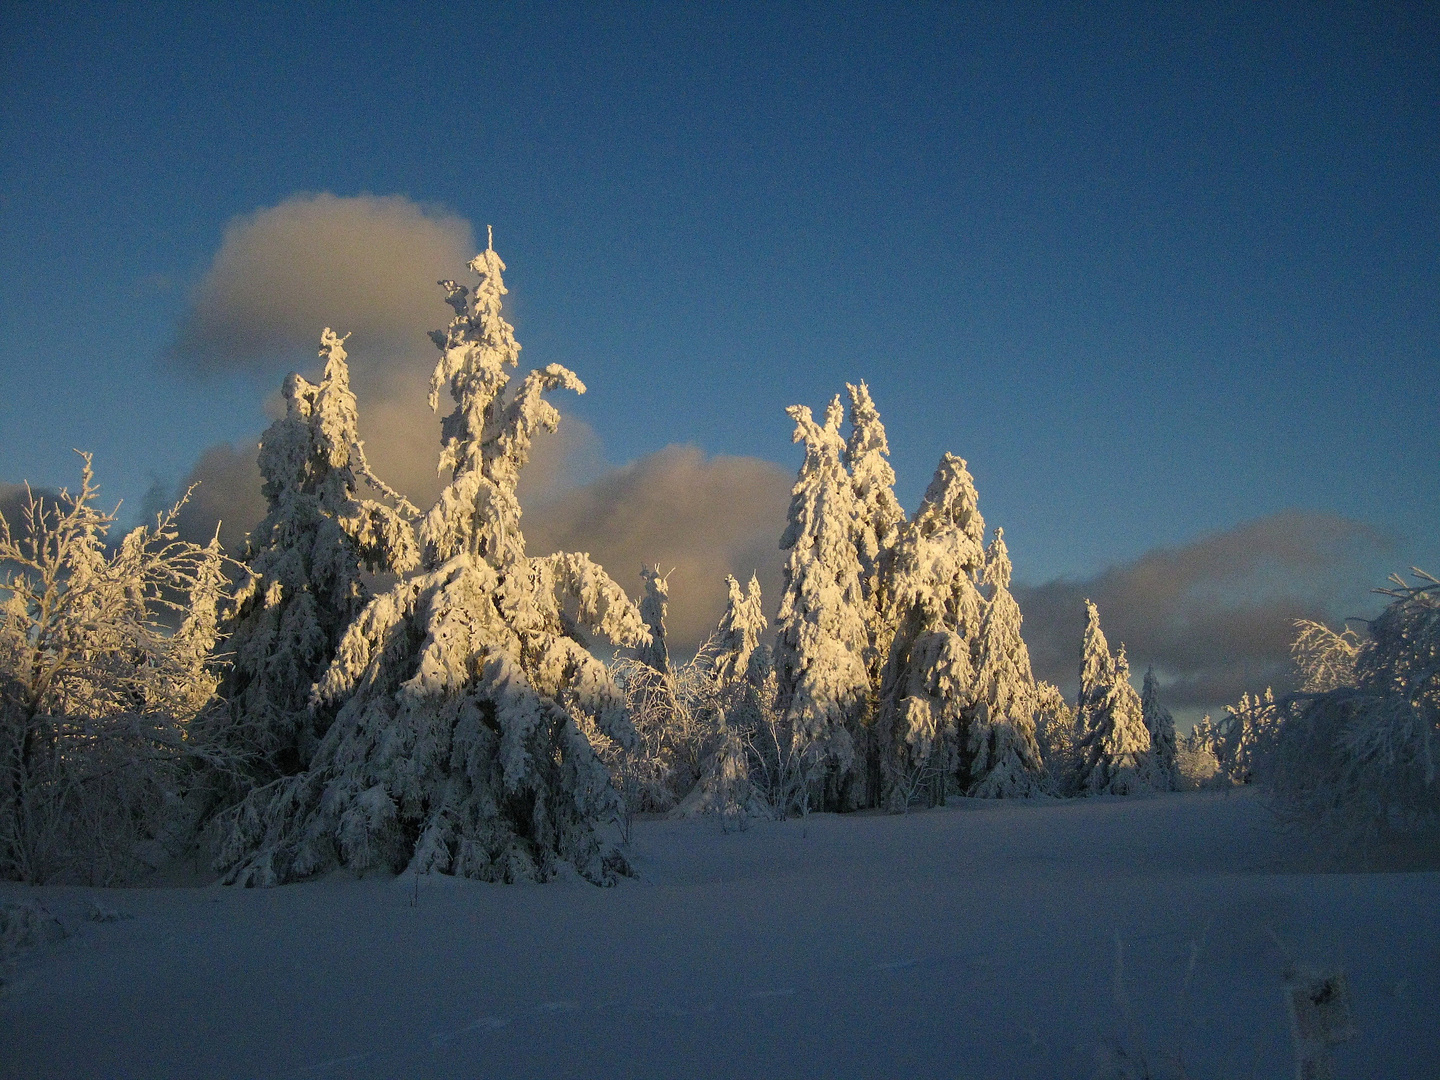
879,518
305,562
1000,758
738,635
1055,734
936,608
821,630
652,611
1114,742
462,691
1161,725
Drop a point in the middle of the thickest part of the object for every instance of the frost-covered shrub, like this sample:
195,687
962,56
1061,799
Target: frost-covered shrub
99,688
673,713
1244,735
1361,759
1195,758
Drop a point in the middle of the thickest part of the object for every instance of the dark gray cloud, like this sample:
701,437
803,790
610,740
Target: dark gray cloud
1215,617
226,492
702,517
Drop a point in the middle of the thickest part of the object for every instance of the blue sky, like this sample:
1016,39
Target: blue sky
1156,271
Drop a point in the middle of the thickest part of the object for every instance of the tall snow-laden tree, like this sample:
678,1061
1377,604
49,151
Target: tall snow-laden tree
738,635
1161,725
463,690
305,562
821,630
879,518
98,694
1114,742
1000,758
936,607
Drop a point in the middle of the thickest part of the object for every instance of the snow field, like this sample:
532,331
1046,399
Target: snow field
978,940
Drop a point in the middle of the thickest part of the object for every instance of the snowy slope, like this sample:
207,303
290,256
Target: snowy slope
977,940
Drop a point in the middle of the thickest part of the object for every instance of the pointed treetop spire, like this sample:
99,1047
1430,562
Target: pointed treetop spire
997,563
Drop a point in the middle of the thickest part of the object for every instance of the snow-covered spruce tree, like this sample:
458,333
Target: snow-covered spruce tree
936,607
1000,758
458,744
821,633
305,561
653,608
1055,735
878,520
97,694
738,635
1161,725
1114,742
1360,760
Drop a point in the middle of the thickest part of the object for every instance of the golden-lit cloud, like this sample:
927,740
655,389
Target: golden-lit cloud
366,265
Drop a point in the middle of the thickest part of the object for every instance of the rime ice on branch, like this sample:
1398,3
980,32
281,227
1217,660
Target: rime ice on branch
462,691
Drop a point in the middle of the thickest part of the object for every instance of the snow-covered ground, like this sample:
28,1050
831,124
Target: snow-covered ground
980,940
